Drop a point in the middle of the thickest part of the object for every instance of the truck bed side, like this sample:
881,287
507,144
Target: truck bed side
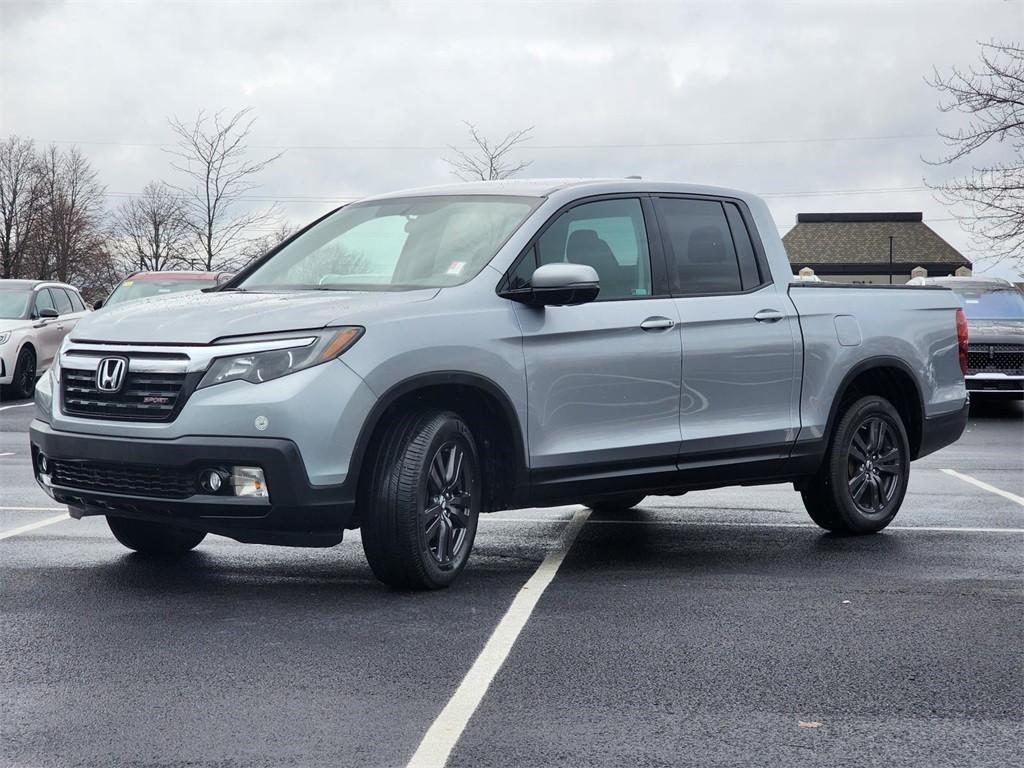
849,329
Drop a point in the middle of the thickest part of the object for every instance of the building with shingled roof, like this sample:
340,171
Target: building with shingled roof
870,248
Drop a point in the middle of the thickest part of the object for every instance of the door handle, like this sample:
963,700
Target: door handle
768,316
657,324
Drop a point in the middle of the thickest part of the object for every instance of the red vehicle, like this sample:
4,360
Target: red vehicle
143,285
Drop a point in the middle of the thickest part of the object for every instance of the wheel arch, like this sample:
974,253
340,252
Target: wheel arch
888,377
481,402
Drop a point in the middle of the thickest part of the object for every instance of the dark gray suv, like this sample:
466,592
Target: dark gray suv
995,319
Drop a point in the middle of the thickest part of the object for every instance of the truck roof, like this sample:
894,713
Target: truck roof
547,187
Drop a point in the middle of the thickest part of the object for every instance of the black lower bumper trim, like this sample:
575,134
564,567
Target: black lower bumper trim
297,513
940,431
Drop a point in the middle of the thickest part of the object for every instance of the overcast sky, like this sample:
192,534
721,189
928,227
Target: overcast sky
789,99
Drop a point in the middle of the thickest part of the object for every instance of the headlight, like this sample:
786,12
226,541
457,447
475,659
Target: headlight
4,337
257,367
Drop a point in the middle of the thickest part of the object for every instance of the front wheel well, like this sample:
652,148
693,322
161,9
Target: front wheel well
895,385
491,421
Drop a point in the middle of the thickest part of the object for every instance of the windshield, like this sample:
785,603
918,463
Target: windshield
400,244
14,304
130,290
992,305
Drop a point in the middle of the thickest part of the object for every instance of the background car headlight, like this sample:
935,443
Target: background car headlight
4,337
257,367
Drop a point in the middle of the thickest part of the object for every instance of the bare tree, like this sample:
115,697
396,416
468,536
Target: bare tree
486,160
211,153
70,233
258,247
20,203
149,232
992,95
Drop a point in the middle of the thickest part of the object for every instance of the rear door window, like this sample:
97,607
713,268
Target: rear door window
62,301
699,247
750,272
76,301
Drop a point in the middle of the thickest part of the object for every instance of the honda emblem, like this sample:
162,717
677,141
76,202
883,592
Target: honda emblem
110,374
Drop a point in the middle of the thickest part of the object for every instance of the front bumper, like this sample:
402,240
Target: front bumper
995,384
296,512
6,366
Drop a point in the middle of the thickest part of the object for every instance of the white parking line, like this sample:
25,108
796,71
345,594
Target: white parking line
16,405
985,486
752,524
444,733
6,454
33,526
31,509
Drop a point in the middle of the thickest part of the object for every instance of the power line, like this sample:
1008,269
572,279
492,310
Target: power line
524,146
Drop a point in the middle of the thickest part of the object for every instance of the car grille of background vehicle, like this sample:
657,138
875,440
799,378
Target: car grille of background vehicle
996,358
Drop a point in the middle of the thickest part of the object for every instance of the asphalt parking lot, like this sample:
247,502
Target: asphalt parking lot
718,628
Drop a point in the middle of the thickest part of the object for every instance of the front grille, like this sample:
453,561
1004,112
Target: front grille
160,482
995,358
143,397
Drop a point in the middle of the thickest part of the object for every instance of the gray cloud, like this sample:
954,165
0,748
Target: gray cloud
404,74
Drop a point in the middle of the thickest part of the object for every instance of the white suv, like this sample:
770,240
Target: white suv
35,316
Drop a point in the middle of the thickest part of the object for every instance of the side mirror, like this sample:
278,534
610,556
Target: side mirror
47,313
97,304
559,285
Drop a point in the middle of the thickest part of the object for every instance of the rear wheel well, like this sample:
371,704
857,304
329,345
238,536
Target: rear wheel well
493,427
895,385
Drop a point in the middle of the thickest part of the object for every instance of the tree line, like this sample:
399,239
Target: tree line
54,224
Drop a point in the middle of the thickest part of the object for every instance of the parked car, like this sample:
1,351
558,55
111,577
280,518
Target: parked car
412,360
143,285
35,316
995,319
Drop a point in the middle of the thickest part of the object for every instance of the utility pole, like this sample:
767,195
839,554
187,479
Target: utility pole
890,259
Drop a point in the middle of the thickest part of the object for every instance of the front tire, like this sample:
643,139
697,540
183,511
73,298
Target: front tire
861,484
154,538
24,381
424,501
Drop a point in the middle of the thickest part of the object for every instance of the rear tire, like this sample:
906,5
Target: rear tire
611,504
863,479
23,383
423,501
154,538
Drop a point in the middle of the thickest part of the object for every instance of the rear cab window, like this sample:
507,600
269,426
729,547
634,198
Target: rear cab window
708,247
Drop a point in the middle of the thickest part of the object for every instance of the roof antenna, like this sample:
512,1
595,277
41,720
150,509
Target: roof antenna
634,177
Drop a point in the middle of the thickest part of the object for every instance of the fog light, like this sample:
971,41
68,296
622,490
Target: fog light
44,464
212,480
248,481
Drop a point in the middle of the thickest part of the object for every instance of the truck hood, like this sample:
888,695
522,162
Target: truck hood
200,318
996,331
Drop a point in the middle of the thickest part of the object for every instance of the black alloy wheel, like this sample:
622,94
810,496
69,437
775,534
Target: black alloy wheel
447,504
874,466
861,483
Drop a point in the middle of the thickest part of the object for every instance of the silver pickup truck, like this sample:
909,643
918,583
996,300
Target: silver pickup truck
413,360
